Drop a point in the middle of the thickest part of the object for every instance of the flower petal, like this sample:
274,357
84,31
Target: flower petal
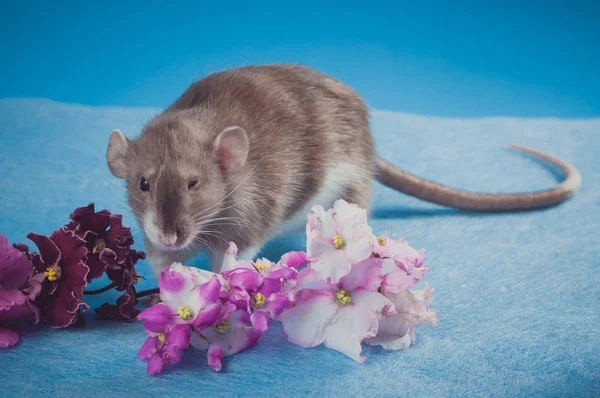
365,275
215,355
8,337
246,279
177,341
210,290
156,365
207,316
294,259
305,324
260,320
49,252
148,348
375,302
15,266
157,317
10,298
171,282
348,328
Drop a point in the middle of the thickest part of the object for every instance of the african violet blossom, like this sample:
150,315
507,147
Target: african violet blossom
228,337
190,301
257,286
339,315
107,240
412,307
188,296
402,265
108,243
19,286
61,259
337,239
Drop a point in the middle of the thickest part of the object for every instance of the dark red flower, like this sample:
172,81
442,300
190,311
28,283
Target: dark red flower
125,276
107,241
124,310
61,259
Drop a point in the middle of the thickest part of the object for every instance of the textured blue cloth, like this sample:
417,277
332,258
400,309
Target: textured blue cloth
518,293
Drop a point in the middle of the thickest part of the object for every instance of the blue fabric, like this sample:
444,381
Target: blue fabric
518,293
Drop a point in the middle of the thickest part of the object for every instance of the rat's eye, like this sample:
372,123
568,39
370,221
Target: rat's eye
144,185
193,184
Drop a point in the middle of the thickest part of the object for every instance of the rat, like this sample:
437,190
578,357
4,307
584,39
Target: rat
244,154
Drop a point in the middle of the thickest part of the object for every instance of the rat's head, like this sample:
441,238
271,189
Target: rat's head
176,179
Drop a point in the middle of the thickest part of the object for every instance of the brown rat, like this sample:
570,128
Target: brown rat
244,154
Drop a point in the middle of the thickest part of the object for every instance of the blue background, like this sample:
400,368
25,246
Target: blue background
460,58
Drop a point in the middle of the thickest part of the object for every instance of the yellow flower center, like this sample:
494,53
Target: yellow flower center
343,297
259,299
338,242
261,266
136,277
381,241
52,273
100,245
185,312
223,327
161,337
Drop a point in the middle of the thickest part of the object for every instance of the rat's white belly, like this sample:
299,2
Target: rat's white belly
337,179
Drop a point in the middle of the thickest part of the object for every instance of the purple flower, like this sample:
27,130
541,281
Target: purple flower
164,348
337,239
228,337
124,310
189,296
107,241
61,259
125,275
339,315
19,287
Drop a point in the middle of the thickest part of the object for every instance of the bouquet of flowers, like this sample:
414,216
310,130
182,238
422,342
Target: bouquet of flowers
348,287
48,285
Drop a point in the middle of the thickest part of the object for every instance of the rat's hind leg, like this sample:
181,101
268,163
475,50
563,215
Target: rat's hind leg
359,193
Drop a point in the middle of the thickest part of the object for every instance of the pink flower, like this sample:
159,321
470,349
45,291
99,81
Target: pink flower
402,265
412,307
336,239
228,337
189,296
339,315
230,258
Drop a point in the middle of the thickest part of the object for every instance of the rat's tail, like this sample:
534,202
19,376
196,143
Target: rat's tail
395,178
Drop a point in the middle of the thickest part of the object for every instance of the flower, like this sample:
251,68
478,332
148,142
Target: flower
402,265
163,348
125,275
412,307
250,275
228,337
19,287
336,239
230,257
189,296
107,241
338,315
124,310
61,259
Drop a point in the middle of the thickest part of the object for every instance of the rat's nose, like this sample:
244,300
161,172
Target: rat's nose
167,239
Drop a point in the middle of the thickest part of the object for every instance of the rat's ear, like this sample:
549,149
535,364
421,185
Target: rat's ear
231,146
116,154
